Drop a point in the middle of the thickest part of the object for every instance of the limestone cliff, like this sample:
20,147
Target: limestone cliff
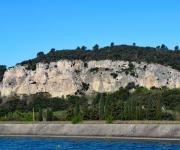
67,77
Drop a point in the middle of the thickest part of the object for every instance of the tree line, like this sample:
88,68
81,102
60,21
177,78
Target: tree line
160,54
124,104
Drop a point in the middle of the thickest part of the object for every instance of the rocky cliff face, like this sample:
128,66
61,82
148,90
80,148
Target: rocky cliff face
66,77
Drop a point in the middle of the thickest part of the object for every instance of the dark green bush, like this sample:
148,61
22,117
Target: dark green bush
86,65
114,75
85,86
94,70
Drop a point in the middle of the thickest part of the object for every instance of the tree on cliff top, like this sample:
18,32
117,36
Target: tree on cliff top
176,48
2,70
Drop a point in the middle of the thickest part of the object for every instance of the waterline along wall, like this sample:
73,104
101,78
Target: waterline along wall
93,130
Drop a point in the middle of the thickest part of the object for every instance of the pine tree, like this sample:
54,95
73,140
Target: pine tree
158,107
101,107
49,114
40,117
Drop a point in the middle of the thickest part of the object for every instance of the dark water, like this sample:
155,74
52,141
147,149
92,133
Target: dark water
13,143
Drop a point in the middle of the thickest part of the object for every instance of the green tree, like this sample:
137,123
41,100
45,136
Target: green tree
163,46
77,115
78,48
126,111
40,55
112,44
101,107
53,50
176,48
83,48
40,115
158,47
96,47
49,114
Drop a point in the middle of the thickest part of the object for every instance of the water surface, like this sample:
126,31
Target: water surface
24,143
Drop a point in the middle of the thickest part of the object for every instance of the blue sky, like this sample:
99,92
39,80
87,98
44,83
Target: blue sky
29,26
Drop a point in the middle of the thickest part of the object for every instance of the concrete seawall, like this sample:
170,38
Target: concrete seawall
93,130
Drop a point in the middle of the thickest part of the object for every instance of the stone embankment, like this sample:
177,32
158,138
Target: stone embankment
93,130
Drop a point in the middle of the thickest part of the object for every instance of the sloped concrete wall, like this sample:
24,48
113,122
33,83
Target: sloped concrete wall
103,130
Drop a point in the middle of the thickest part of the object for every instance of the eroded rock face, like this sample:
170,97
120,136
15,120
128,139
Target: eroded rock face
66,77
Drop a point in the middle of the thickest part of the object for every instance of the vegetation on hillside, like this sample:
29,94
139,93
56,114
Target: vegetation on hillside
2,70
125,104
160,54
